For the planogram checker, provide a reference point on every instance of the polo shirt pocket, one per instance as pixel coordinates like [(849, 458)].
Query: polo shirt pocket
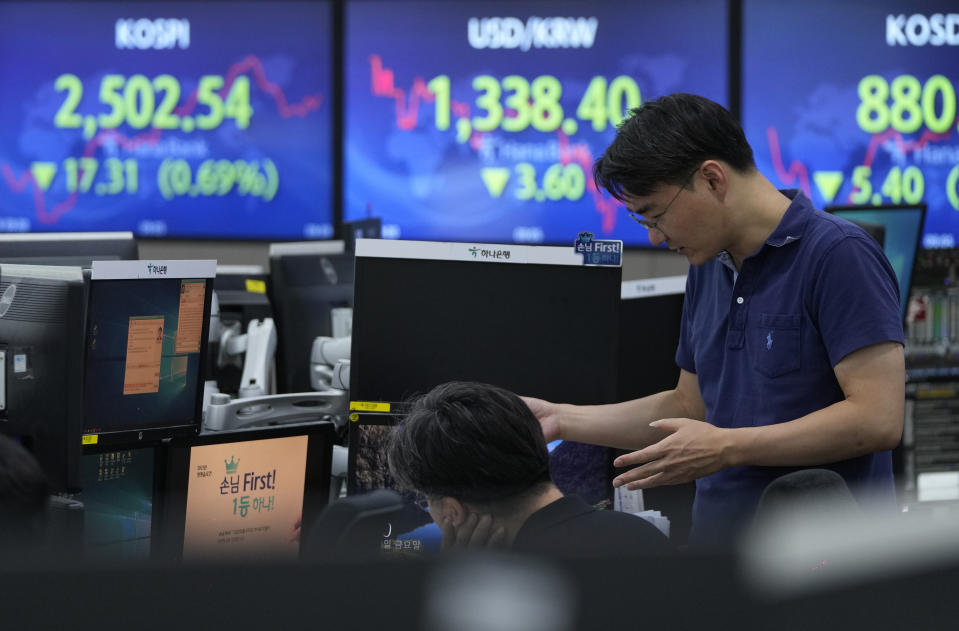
[(774, 344)]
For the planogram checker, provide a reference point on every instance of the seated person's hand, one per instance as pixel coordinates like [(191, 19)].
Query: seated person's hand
[(473, 531)]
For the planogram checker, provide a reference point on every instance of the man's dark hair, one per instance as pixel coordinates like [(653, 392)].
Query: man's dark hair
[(473, 441), (664, 141)]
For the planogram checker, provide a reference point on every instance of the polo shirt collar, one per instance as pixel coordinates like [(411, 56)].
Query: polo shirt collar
[(790, 228), (793, 223)]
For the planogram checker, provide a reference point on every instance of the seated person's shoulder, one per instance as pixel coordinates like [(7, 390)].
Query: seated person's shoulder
[(573, 527)]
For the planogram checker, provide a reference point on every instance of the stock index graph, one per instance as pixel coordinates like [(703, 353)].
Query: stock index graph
[(479, 121), (855, 103), (167, 119)]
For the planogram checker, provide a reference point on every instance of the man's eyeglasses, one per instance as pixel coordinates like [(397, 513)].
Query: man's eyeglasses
[(653, 224)]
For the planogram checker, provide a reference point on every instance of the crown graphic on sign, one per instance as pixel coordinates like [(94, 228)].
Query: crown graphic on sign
[(585, 237), (233, 465)]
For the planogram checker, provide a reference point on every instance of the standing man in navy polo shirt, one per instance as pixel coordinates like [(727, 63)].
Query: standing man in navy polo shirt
[(791, 349)]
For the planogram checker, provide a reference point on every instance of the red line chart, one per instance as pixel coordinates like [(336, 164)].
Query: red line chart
[(797, 170), (407, 104)]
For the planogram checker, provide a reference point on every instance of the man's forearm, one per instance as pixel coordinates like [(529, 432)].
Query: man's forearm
[(841, 431), (622, 425)]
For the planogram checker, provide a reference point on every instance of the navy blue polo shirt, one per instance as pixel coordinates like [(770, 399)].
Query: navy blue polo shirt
[(763, 344)]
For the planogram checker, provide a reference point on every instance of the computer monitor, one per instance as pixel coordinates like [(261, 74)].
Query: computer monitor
[(42, 318), (241, 294), (307, 281), (67, 248), (531, 319), (118, 500), (412, 530), (245, 494), (146, 342), (902, 227)]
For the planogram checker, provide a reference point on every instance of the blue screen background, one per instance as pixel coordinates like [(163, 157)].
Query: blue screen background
[(802, 64), (425, 184), (283, 47)]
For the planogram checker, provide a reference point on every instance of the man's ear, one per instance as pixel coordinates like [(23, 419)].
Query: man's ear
[(452, 510), (717, 178)]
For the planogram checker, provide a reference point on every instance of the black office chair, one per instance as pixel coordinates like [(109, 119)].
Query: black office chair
[(354, 528), (805, 491)]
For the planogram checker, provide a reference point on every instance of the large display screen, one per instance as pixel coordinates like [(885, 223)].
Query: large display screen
[(480, 121), (855, 103), (186, 119)]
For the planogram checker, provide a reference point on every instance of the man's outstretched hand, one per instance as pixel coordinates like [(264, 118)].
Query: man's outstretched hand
[(548, 416), (692, 449)]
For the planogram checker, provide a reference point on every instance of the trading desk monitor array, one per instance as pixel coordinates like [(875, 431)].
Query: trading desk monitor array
[(307, 281), (146, 337), (532, 319), (246, 494)]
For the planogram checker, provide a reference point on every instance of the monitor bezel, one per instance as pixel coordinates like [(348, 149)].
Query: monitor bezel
[(46, 248), (154, 433), (174, 481)]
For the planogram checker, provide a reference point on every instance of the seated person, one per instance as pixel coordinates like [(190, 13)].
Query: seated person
[(478, 455)]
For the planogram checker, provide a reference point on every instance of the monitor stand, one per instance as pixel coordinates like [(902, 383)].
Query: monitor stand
[(277, 409)]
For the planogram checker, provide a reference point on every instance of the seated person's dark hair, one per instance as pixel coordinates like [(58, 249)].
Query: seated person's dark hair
[(477, 442), (478, 453), (664, 140)]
